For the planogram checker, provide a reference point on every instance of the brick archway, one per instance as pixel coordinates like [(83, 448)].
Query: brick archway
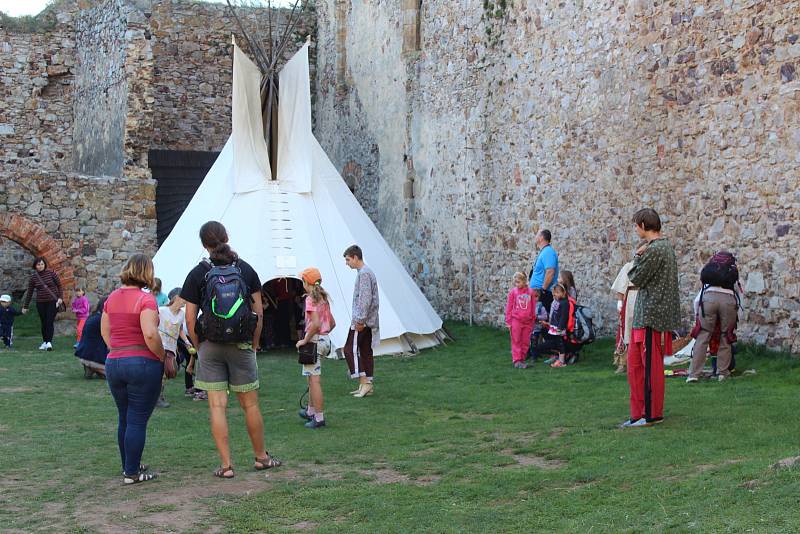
[(34, 239)]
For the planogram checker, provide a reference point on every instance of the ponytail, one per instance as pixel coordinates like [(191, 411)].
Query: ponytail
[(222, 253)]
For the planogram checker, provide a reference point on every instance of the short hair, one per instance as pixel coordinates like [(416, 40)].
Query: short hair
[(546, 235), (648, 219), (38, 259), (354, 251), (138, 271), (176, 291)]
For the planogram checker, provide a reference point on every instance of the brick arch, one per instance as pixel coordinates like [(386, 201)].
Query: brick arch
[(33, 238)]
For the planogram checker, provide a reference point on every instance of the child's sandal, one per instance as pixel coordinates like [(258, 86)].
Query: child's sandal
[(224, 472), (267, 462)]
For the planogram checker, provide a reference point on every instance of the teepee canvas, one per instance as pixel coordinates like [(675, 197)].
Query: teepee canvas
[(306, 217)]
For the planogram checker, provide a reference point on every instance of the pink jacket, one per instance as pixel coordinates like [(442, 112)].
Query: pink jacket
[(521, 305), (80, 305)]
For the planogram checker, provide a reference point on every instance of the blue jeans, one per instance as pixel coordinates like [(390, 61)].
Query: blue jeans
[(135, 384)]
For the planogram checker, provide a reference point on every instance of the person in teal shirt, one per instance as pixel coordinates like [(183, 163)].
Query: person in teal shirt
[(161, 298)]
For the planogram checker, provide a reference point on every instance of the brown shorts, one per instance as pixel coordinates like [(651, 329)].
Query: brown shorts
[(226, 366)]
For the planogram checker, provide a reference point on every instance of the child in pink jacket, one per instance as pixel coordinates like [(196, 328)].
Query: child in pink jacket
[(520, 318), (80, 307)]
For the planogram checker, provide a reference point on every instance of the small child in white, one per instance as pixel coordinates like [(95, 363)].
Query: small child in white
[(170, 326)]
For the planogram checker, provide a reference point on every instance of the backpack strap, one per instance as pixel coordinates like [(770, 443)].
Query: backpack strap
[(702, 292)]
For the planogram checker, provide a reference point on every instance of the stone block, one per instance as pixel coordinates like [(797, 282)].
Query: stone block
[(755, 283), (104, 254)]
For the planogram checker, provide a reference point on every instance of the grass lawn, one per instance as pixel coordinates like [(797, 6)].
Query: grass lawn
[(453, 440)]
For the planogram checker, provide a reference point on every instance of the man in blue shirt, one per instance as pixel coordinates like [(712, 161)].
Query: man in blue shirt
[(544, 274)]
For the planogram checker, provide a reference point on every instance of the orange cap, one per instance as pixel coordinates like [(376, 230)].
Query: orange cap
[(311, 276)]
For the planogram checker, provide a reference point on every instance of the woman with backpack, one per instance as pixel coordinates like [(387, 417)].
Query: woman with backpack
[(717, 308), (228, 291)]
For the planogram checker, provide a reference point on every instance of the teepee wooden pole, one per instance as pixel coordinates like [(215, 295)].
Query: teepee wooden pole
[(254, 48)]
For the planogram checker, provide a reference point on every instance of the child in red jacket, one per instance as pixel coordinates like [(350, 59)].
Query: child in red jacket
[(520, 318)]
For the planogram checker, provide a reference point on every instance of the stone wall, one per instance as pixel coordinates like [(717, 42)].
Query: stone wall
[(96, 226), (100, 89), (15, 267), (495, 119), (36, 86)]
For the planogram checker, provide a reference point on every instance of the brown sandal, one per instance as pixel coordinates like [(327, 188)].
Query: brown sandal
[(267, 462), (222, 472)]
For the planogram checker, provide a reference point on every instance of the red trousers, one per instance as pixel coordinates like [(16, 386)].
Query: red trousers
[(79, 329), (520, 339), (646, 372)]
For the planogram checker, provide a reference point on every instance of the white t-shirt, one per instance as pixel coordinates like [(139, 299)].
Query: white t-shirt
[(169, 326), (623, 285)]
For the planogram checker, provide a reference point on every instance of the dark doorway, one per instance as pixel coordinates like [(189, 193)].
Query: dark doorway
[(282, 299), (178, 174)]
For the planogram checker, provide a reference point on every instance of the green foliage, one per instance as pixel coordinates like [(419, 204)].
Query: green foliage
[(494, 18), (44, 21), (28, 324), (453, 440)]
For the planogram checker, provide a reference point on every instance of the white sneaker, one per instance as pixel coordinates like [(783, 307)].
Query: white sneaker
[(691, 379), (722, 378), (43, 346), (49, 346)]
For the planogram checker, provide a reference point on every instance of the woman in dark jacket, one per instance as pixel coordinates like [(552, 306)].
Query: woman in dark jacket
[(48, 298), (91, 349)]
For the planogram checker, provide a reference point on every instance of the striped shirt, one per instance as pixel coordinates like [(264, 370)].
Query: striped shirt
[(47, 286)]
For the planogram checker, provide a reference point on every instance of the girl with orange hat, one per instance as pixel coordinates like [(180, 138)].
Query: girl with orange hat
[(319, 323)]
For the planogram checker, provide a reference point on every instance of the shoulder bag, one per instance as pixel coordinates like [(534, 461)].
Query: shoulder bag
[(307, 354), (60, 308)]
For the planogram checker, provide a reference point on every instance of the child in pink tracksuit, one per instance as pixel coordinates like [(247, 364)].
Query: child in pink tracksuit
[(80, 307), (520, 318)]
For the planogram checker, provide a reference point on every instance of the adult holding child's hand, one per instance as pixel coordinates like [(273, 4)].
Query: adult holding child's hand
[(48, 299)]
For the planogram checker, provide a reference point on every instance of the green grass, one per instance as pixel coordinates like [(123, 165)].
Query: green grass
[(27, 325), (454, 440)]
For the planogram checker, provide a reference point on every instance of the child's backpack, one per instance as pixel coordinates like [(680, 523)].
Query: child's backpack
[(571, 317), (720, 271), (584, 325), (227, 312)]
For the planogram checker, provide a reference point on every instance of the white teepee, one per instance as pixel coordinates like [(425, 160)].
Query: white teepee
[(307, 217)]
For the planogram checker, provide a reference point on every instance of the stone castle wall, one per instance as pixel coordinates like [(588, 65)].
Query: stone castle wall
[(471, 125), (15, 268), (97, 225), (36, 78)]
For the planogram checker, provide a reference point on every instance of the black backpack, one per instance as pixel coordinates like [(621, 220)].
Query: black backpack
[(584, 325), (720, 271), (227, 311)]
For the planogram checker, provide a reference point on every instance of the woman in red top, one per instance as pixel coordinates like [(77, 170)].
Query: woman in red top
[(134, 366)]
